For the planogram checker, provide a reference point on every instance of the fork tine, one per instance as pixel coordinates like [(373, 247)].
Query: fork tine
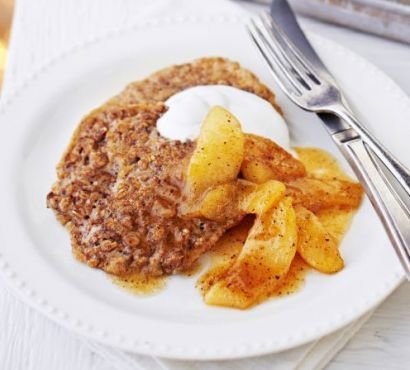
[(290, 52), (286, 59), (283, 50), (282, 76), (299, 77)]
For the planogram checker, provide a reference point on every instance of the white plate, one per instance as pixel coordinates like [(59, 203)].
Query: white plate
[(35, 254)]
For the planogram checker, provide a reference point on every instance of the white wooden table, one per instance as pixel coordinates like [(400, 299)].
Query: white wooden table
[(44, 28)]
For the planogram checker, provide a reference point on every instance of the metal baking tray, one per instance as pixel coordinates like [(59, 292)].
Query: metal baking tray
[(386, 18)]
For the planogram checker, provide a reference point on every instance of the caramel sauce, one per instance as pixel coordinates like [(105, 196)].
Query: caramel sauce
[(228, 248), (224, 253), (194, 269), (294, 279), (319, 164), (140, 284)]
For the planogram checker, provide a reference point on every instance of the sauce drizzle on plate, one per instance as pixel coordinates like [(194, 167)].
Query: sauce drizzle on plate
[(318, 163)]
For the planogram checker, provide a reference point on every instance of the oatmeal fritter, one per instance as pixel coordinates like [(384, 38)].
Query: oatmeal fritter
[(119, 182)]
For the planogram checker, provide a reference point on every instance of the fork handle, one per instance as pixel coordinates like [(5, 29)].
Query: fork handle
[(389, 205), (393, 165)]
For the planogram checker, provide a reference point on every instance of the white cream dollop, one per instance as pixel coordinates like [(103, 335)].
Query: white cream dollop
[(188, 108)]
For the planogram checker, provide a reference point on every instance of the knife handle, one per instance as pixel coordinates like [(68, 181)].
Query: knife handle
[(388, 203), (393, 165)]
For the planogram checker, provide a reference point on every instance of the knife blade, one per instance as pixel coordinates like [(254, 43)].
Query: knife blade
[(284, 17), (340, 131), (386, 189)]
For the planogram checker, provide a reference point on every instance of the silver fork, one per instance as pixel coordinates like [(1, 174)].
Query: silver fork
[(315, 90)]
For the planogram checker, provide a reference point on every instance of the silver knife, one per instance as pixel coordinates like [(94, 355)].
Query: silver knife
[(371, 162), (284, 17)]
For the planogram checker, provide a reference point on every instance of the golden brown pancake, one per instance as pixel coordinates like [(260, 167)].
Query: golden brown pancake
[(119, 182)]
